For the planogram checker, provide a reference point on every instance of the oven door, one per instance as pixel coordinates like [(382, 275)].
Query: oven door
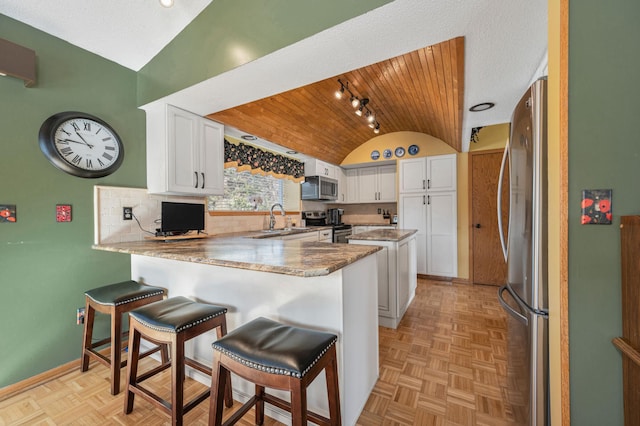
[(340, 236)]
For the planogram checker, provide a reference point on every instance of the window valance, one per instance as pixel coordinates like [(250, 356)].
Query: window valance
[(258, 161)]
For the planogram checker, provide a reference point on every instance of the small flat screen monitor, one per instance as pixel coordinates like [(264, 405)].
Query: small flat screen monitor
[(180, 218)]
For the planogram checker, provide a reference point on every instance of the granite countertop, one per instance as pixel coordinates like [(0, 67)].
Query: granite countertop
[(383, 235), (299, 258)]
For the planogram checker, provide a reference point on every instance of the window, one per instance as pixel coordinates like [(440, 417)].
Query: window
[(244, 191)]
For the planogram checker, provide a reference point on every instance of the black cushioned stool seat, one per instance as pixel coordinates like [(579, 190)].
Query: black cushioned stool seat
[(171, 322), (274, 355), (115, 300)]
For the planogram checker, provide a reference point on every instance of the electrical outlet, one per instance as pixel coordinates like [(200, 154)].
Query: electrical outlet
[(127, 213), (80, 316)]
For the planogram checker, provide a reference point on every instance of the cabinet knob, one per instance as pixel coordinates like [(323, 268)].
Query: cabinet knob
[(477, 225)]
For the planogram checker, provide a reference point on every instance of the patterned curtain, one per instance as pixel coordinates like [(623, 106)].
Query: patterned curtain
[(258, 161)]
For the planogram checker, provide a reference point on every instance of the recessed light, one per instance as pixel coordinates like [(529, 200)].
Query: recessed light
[(166, 3), (482, 107), (248, 137)]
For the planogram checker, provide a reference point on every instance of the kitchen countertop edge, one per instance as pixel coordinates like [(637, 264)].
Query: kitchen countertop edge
[(309, 258)]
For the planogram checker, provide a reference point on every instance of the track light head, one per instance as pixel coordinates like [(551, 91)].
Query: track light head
[(340, 91), (376, 129), (354, 101)]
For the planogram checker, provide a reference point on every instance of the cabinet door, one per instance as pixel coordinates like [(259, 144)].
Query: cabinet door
[(325, 236), (412, 175), (211, 158), (368, 184), (387, 183), (319, 168), (353, 187), (441, 173), (412, 214), (195, 154), (442, 234), (182, 143)]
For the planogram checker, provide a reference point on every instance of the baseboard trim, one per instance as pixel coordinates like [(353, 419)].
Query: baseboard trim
[(44, 377)]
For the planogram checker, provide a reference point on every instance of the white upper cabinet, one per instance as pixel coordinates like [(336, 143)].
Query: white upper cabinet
[(375, 184), (185, 153), (413, 175), (436, 173), (352, 185), (320, 168), (441, 173)]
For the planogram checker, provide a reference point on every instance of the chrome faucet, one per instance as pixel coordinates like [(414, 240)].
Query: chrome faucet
[(272, 219)]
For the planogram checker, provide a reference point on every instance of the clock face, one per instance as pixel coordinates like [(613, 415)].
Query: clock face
[(81, 144)]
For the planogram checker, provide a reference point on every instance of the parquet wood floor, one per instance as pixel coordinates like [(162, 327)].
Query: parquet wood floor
[(444, 365)]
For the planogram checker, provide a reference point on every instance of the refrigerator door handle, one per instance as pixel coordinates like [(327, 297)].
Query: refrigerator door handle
[(499, 203), (509, 309)]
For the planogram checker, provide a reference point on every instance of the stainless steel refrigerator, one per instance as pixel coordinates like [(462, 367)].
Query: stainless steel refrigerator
[(524, 297)]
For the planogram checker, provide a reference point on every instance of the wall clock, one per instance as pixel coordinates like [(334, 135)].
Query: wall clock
[(81, 144)]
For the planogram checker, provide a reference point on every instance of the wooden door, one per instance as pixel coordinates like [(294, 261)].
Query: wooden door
[(487, 261)]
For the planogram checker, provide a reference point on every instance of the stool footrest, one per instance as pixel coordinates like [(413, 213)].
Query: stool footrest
[(284, 405)]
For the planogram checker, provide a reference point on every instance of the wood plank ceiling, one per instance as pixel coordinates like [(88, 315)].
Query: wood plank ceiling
[(421, 91)]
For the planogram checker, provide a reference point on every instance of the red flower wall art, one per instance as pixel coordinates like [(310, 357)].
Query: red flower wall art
[(7, 213), (596, 207)]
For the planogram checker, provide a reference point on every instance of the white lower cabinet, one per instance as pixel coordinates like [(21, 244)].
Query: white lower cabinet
[(325, 236), (412, 210), (397, 278), (442, 238)]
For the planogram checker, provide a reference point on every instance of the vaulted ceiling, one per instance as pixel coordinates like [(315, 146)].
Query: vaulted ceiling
[(421, 91)]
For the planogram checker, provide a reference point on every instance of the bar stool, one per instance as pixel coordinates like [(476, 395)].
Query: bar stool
[(115, 300), (270, 354), (171, 322)]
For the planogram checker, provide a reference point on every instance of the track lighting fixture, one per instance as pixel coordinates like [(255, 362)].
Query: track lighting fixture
[(360, 105)]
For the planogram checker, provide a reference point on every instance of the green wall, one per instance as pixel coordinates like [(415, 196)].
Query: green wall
[(46, 266), (604, 152), (230, 33)]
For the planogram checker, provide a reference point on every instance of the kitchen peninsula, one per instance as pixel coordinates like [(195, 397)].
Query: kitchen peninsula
[(331, 287)]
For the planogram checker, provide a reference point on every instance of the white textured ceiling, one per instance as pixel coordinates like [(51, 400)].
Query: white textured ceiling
[(505, 46), (128, 32)]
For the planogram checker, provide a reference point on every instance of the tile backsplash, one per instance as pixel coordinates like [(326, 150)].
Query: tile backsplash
[(109, 226)]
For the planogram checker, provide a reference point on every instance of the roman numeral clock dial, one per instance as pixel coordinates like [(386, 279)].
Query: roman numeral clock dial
[(81, 144)]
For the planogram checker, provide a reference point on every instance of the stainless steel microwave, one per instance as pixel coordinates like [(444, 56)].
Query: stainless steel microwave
[(319, 188)]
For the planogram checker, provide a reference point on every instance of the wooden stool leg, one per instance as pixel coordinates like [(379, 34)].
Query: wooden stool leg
[(333, 391), (89, 316), (259, 404), (219, 378), (177, 380), (228, 392), (298, 403), (116, 349), (132, 368)]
